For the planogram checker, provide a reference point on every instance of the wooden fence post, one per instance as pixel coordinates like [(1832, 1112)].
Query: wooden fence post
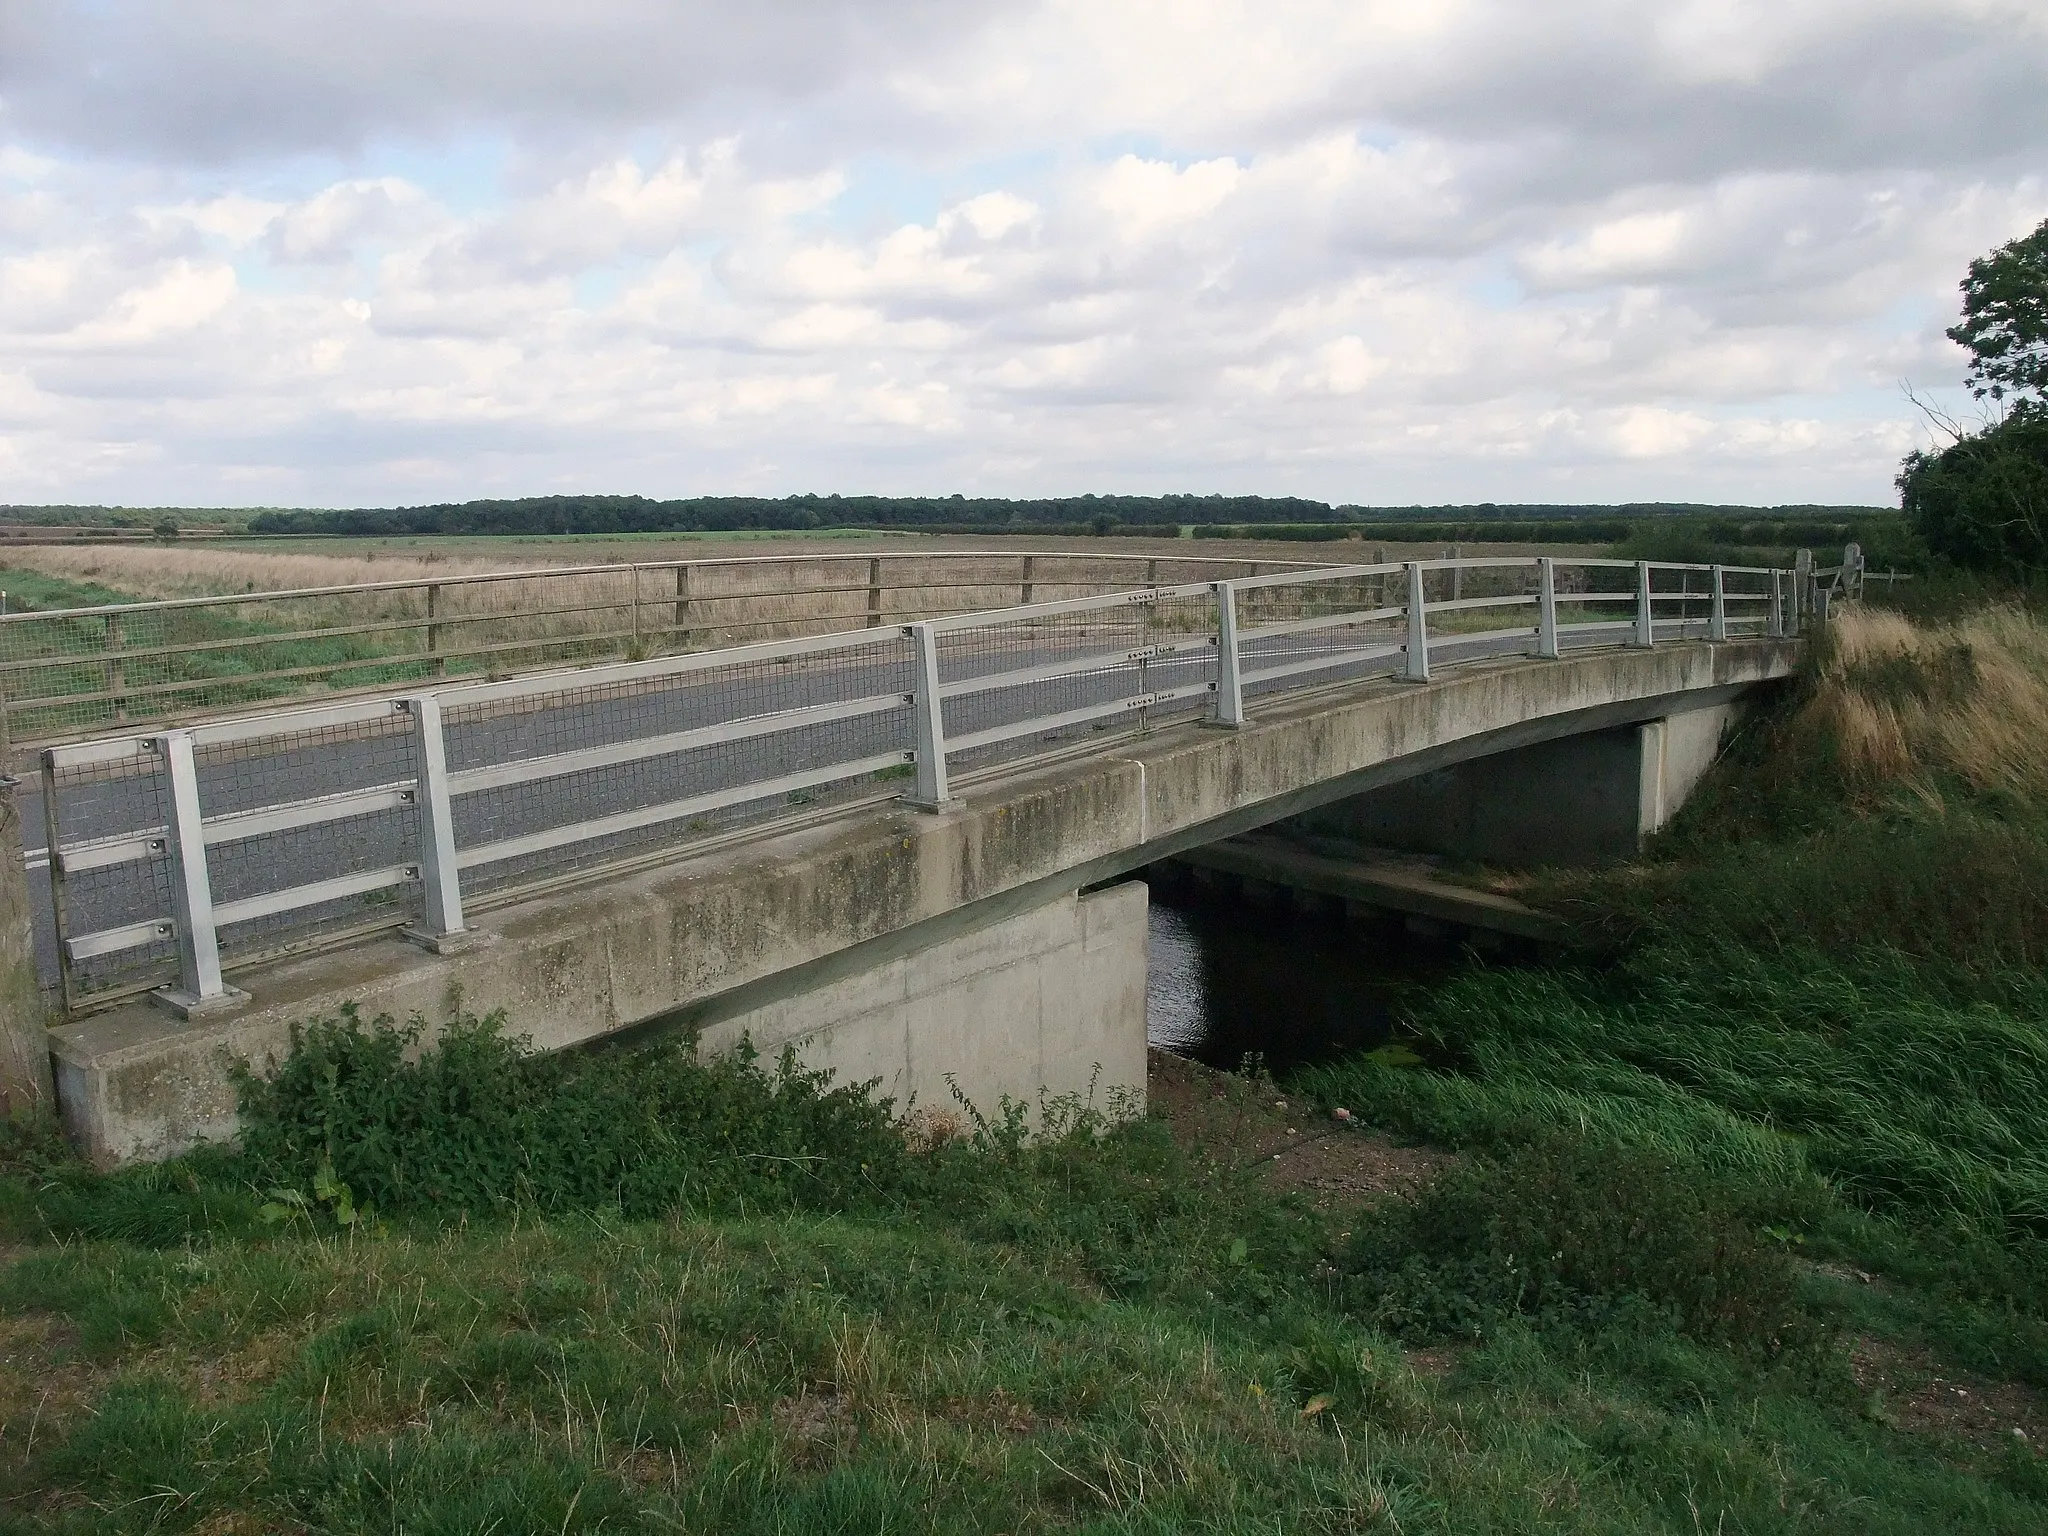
[(117, 673), (438, 666), (682, 624)]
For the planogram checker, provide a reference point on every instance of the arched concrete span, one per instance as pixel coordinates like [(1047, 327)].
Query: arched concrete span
[(922, 948)]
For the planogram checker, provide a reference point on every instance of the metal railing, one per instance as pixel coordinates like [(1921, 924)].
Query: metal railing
[(72, 672), (181, 855)]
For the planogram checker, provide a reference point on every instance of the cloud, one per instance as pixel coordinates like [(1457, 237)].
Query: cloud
[(1355, 249)]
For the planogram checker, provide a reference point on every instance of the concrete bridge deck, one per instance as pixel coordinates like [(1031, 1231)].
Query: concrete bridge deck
[(967, 945)]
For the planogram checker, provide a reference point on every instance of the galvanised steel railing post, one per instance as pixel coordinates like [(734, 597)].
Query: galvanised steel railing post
[(928, 721), (1415, 666), (60, 916), (191, 889), (1774, 623), (1717, 614), (440, 878), (1646, 629), (1229, 662), (1546, 608)]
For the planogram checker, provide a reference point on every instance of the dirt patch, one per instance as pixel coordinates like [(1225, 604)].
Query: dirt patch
[(818, 1427), (1338, 1163), (997, 1411), (1436, 1362), (1912, 1391)]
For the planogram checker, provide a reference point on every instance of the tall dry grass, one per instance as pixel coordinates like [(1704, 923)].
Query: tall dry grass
[(1905, 705), (173, 571)]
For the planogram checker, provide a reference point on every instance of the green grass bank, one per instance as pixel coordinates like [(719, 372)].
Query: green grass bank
[(1742, 1227)]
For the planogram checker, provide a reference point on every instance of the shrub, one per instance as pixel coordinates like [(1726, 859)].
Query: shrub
[(1576, 1235), (480, 1120)]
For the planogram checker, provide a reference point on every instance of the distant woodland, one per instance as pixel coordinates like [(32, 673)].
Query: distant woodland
[(1073, 514)]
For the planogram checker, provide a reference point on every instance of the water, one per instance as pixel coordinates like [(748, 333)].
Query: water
[(1231, 978)]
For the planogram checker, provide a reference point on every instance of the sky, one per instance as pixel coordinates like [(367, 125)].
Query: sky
[(387, 252)]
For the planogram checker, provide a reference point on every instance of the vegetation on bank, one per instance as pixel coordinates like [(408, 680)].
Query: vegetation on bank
[(1792, 1125)]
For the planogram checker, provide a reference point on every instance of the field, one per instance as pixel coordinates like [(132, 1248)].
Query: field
[(273, 565), (380, 613)]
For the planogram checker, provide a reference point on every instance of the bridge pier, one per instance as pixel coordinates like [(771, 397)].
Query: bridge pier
[(1044, 1004)]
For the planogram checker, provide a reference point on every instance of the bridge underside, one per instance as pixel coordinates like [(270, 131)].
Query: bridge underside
[(919, 947)]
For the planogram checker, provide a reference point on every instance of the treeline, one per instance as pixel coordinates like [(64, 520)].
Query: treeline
[(119, 517), (1092, 514), (720, 514), (1767, 532)]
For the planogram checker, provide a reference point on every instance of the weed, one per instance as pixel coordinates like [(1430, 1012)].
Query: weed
[(1580, 1235), (479, 1122)]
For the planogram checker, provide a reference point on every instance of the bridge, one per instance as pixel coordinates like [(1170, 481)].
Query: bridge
[(899, 847)]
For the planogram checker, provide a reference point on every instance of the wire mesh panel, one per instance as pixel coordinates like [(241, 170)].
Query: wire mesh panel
[(1311, 629), (1747, 599), (1681, 601), (1483, 608), (1595, 602), (557, 780), (66, 673), (114, 896), (69, 673), (311, 833), (1040, 679)]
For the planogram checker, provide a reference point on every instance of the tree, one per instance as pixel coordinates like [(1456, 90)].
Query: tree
[(1982, 501), (2005, 321)]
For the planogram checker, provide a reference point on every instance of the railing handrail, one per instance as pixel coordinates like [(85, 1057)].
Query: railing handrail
[(292, 719), (1380, 630)]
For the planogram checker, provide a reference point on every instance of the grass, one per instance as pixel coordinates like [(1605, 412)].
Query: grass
[(1103, 1331), (1823, 986), (1740, 1200)]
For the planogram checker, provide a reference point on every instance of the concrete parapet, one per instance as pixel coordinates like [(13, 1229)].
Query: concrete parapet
[(809, 909)]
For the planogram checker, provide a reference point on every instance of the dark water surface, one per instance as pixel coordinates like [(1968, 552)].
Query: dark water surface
[(1232, 978)]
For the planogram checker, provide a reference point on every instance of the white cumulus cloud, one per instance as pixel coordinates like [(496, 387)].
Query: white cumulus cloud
[(1365, 250)]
